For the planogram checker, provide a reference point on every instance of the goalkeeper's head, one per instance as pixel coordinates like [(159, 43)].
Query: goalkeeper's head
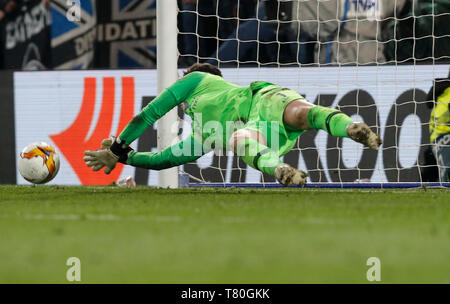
[(203, 67)]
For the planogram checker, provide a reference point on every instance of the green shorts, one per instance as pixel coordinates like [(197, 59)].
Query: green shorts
[(266, 116)]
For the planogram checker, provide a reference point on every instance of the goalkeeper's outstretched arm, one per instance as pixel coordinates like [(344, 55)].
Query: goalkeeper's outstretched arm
[(119, 151), (163, 103), (185, 151)]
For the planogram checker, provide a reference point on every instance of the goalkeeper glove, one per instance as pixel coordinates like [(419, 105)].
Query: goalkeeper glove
[(111, 153), (288, 175)]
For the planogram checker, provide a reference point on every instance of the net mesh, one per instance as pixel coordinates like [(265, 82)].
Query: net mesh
[(374, 60)]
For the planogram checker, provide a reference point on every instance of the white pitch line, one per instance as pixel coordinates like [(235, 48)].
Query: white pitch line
[(91, 217), (166, 219)]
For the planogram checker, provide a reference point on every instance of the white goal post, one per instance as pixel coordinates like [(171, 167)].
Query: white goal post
[(167, 75)]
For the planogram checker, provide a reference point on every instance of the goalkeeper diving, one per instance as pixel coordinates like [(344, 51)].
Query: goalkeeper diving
[(259, 123)]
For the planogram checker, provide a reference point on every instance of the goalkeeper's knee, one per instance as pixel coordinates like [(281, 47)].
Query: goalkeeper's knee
[(250, 147)]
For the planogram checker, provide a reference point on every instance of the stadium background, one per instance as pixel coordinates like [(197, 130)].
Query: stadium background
[(381, 104)]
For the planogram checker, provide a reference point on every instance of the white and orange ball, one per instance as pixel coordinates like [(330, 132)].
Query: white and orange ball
[(38, 163)]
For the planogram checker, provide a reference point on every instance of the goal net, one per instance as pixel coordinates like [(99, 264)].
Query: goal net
[(375, 60)]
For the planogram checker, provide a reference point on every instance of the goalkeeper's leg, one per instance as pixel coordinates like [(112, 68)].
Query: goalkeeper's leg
[(251, 147), (300, 114)]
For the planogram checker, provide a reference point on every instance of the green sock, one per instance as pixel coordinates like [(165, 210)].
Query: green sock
[(258, 156), (330, 120)]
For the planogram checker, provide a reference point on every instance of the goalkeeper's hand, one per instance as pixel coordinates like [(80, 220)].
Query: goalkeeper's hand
[(110, 154), (101, 158), (288, 175)]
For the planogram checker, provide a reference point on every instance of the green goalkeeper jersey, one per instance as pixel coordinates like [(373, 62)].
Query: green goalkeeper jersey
[(217, 108)]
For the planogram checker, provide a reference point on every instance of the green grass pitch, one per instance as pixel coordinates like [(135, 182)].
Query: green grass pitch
[(148, 235)]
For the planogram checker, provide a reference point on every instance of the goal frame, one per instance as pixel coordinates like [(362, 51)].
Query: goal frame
[(167, 73)]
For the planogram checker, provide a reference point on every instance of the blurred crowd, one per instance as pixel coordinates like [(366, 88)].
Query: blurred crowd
[(304, 32), (231, 33), (9, 7)]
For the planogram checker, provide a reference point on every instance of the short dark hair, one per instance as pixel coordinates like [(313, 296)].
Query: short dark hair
[(203, 67)]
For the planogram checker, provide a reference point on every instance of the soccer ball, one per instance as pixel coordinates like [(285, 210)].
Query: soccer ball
[(38, 163)]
